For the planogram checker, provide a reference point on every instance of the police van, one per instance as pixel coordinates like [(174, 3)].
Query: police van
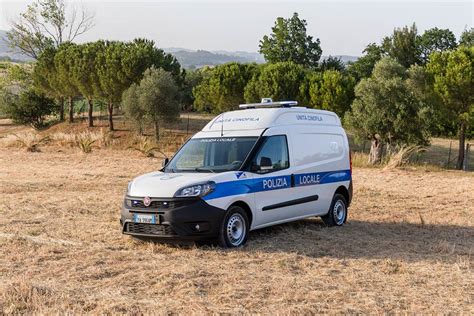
[(265, 164)]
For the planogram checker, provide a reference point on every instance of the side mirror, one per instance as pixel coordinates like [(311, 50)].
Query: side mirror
[(165, 162), (266, 163)]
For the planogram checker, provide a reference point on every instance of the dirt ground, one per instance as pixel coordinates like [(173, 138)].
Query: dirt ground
[(407, 247)]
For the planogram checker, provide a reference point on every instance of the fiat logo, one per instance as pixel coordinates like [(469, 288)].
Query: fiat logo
[(147, 201)]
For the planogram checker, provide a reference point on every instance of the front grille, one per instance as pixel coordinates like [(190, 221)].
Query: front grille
[(157, 204), (149, 229)]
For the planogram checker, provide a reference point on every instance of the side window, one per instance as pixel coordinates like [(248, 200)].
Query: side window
[(273, 155)]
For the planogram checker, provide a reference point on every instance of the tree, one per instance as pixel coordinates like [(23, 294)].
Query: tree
[(453, 81), (193, 78), (289, 42), (279, 81), (402, 46), (84, 73), (467, 37), (332, 63), (29, 108), (331, 90), (64, 62), (132, 107), (362, 68), (435, 40), (156, 97), (119, 64), (47, 23), (45, 78), (223, 88), (385, 111)]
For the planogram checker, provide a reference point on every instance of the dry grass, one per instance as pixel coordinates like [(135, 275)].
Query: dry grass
[(407, 247)]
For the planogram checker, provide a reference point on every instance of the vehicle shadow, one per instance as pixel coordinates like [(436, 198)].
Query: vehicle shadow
[(361, 239)]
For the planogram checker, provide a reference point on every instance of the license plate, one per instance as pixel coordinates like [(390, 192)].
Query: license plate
[(144, 218)]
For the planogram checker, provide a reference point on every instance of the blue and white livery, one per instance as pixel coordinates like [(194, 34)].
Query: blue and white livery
[(266, 164)]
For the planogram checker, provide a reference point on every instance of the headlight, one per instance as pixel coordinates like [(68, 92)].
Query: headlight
[(200, 189)]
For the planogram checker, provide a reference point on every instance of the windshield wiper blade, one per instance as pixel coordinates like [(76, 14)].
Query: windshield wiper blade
[(204, 169)]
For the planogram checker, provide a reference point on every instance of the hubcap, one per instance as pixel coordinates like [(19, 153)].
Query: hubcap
[(236, 229), (339, 212)]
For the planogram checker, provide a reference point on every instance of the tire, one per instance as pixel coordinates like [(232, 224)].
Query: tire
[(234, 229), (337, 214)]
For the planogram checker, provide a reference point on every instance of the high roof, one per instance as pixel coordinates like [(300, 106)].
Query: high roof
[(260, 118)]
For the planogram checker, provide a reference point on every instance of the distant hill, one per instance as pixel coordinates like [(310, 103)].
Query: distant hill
[(6, 52), (188, 58), (200, 58)]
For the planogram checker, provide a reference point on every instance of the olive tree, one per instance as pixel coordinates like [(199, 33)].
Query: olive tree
[(155, 97), (386, 111)]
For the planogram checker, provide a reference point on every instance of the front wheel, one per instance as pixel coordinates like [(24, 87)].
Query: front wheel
[(337, 214), (234, 229)]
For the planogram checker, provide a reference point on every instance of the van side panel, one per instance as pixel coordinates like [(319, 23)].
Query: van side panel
[(320, 162)]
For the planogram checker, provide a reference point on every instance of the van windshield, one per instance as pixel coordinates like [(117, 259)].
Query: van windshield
[(211, 154)]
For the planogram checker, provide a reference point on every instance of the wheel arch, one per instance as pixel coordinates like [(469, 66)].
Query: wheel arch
[(345, 193), (246, 208)]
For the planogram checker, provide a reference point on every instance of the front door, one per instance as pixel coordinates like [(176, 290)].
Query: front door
[(272, 180)]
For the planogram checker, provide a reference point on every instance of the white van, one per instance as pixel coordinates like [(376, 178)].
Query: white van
[(266, 164)]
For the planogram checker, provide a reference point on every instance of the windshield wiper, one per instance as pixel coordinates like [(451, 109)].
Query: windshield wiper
[(204, 169)]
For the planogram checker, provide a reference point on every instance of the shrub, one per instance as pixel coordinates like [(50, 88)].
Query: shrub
[(28, 108)]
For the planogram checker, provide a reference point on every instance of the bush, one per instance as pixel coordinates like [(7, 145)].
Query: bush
[(28, 108)]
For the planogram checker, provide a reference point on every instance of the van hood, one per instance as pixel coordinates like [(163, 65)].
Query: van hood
[(164, 185)]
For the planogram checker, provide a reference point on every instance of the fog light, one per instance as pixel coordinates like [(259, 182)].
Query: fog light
[(197, 227)]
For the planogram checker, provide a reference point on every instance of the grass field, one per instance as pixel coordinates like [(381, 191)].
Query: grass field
[(407, 247)]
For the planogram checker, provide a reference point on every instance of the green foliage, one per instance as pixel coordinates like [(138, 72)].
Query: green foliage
[(435, 40), (133, 109), (385, 108), (403, 46), (156, 97), (467, 37), (331, 90), (453, 80), (362, 68), (29, 108), (279, 81), (289, 42), (192, 79), (332, 63), (222, 88), (64, 62), (45, 74)]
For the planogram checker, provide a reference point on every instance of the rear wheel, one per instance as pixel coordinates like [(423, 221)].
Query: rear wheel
[(337, 214), (234, 229)]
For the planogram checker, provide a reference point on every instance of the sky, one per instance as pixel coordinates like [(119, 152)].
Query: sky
[(344, 27)]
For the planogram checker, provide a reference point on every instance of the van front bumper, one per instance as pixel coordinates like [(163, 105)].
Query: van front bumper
[(176, 218)]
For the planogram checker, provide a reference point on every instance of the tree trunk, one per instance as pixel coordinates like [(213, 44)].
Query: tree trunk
[(110, 108), (376, 148), (61, 109), (71, 110), (157, 130), (462, 139), (91, 108)]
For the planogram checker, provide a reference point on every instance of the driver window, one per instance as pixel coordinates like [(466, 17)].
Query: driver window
[(273, 155)]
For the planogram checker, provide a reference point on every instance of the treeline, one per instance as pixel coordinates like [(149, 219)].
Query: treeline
[(400, 92), (101, 70)]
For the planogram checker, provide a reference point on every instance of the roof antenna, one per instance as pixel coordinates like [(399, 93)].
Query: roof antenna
[(222, 125)]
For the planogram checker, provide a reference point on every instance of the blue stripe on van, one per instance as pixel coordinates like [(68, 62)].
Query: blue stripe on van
[(276, 183)]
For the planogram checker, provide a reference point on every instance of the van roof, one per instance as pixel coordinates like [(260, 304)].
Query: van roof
[(261, 118)]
